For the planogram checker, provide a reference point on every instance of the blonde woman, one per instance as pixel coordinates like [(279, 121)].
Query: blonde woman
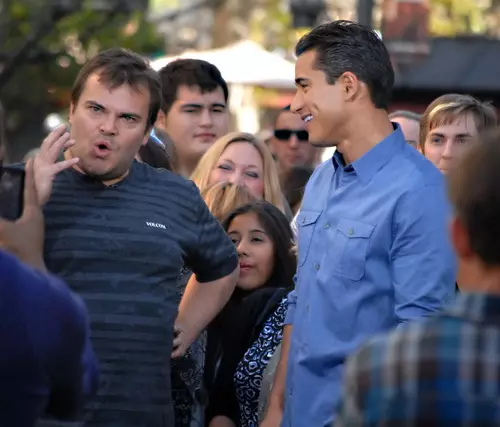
[(241, 158)]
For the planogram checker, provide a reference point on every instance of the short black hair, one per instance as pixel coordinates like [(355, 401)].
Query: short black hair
[(277, 227), (294, 183), (189, 72), (473, 191), (155, 155), (343, 46)]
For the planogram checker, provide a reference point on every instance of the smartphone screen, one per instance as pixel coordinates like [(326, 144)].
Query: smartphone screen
[(11, 192)]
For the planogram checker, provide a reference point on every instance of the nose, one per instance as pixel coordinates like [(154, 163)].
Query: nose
[(448, 149), (108, 126), (293, 142), (206, 118), (236, 178), (242, 248), (297, 102)]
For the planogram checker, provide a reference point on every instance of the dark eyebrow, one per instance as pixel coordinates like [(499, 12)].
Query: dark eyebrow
[(301, 81), (102, 107), (258, 230), (95, 104), (200, 106), (460, 135)]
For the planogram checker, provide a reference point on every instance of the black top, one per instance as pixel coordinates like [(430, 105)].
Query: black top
[(230, 336), (122, 248)]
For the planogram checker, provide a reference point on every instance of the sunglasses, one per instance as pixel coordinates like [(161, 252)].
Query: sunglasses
[(285, 134)]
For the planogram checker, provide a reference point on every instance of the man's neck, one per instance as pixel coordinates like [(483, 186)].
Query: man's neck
[(107, 182), (186, 167), (479, 278), (362, 133)]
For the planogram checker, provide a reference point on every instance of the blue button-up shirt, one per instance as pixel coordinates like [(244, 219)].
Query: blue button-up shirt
[(373, 253)]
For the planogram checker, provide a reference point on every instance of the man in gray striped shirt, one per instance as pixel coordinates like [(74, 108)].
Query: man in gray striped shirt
[(119, 232)]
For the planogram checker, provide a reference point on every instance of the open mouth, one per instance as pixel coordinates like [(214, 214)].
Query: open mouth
[(102, 149)]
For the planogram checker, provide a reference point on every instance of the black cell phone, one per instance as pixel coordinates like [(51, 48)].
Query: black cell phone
[(11, 192)]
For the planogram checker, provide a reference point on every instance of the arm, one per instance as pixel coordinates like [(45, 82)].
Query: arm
[(277, 396), (221, 421), (422, 260), (199, 305), (214, 262)]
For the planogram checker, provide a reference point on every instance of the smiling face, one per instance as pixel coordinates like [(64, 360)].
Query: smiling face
[(320, 104), (241, 164), (255, 250), (108, 126)]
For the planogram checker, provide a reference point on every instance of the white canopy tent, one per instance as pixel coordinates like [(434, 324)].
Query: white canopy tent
[(244, 63)]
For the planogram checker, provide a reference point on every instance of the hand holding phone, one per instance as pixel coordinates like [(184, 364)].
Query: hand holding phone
[(11, 192), (24, 237)]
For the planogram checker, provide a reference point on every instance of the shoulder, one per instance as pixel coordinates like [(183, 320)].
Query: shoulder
[(181, 191), (153, 176), (33, 295), (416, 171), (410, 343)]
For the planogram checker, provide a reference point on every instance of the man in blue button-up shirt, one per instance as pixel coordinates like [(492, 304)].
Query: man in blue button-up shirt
[(372, 231)]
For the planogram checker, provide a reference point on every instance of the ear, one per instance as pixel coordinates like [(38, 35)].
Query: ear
[(71, 112), (145, 139), (160, 120), (460, 239), (350, 85)]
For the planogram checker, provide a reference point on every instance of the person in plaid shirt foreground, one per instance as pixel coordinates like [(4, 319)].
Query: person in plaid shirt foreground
[(444, 371)]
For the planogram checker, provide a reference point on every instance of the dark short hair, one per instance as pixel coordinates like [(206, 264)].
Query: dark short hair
[(343, 46), (117, 67), (473, 191), (293, 183), (191, 73), (277, 227), (405, 114), (449, 107), (155, 155)]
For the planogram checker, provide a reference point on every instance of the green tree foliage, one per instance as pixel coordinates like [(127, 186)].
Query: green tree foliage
[(452, 17), (42, 80)]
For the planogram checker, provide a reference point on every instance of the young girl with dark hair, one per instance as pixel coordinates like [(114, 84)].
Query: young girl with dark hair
[(249, 329)]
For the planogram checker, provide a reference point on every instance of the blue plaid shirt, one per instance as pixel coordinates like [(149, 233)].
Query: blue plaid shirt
[(441, 372)]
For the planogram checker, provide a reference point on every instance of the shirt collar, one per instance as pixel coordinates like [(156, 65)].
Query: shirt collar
[(476, 307), (372, 161)]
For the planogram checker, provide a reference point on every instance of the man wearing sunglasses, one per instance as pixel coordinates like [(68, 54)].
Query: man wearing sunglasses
[(289, 143)]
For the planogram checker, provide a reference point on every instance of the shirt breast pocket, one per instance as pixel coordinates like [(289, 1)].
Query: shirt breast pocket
[(306, 222), (349, 248)]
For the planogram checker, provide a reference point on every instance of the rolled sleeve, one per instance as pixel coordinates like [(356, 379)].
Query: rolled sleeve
[(292, 304), (423, 262), (214, 256)]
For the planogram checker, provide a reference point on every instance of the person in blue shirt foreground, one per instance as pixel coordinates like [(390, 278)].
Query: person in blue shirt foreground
[(47, 364)]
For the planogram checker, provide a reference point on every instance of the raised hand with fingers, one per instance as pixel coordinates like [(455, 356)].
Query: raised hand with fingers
[(46, 164)]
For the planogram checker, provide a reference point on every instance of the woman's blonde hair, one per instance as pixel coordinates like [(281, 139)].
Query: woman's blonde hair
[(272, 189), (224, 197)]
